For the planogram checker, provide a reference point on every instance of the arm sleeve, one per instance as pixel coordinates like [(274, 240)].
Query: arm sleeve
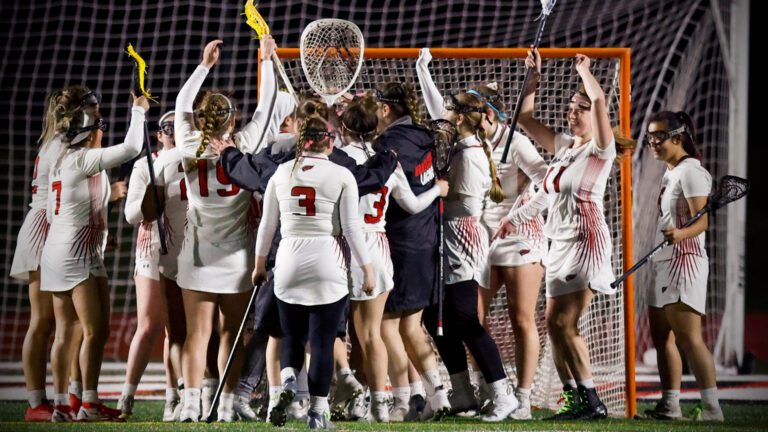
[(429, 91), (245, 170), (405, 197), (249, 136), (369, 177), (137, 187), (187, 136), (525, 156), (519, 214), (100, 159), (270, 217), (350, 221), (696, 182)]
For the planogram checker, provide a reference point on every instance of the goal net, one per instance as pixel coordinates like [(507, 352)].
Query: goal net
[(455, 70)]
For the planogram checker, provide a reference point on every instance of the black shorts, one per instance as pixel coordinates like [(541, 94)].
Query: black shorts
[(267, 318), (415, 277)]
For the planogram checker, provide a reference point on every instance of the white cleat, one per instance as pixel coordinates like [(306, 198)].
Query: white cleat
[(438, 406), (504, 404), (243, 408)]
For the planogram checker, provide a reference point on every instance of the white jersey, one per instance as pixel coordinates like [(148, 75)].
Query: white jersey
[(469, 178), (373, 206), (77, 205), (147, 237), (218, 211), (687, 180), (575, 187), (314, 202), (524, 167), (34, 230), (169, 176)]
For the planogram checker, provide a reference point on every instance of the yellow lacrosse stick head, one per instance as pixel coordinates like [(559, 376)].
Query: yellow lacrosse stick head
[(141, 65), (254, 19)]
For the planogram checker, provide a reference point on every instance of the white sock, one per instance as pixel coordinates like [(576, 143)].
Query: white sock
[(346, 375), (76, 388), (35, 397), (401, 395), (210, 383), (302, 385), (417, 388), (380, 397), (523, 394), (61, 399), (226, 402), (171, 394), (318, 404), (570, 382), (587, 383), (274, 391), (709, 399), (129, 389), (90, 396), (477, 377), (192, 398), (287, 373), (500, 387), (431, 379), (460, 382), (671, 396)]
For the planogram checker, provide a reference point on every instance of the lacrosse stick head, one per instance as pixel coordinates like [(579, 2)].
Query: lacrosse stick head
[(331, 57), (445, 134), (254, 20), (729, 189)]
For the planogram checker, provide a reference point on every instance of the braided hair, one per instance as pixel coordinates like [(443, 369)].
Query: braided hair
[(315, 135), (360, 119), (62, 107), (473, 110), (401, 99), (213, 117)]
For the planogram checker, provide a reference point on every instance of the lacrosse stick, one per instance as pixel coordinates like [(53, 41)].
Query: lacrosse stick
[(445, 143), (547, 6), (729, 189), (141, 68), (257, 23), (223, 378), (332, 54)]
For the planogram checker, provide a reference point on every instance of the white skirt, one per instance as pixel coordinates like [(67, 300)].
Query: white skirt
[(168, 264), (217, 268), (312, 271), (64, 265), (573, 266), (378, 247), (512, 251), (147, 268), (466, 250), (29, 244), (682, 279)]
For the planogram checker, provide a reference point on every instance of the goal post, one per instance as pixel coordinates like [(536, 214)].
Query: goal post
[(607, 326)]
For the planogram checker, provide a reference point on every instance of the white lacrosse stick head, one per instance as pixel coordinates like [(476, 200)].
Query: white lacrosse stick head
[(332, 54)]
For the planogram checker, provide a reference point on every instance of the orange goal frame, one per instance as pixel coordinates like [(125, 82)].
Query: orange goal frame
[(623, 55)]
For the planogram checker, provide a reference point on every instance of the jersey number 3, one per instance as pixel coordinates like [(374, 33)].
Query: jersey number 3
[(379, 206), (308, 198)]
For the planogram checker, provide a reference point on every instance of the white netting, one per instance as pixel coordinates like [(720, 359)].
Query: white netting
[(331, 55), (603, 325), (679, 61)]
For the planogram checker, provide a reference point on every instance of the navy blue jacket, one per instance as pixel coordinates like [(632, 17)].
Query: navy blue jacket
[(414, 146)]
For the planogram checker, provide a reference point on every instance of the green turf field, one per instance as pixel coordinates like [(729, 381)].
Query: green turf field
[(738, 418)]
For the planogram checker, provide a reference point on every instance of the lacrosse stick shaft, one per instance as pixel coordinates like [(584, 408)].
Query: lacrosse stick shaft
[(521, 94), (228, 366), (441, 282), (155, 196), (284, 76)]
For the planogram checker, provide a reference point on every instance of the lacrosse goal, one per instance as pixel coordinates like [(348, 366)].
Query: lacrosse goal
[(604, 326)]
